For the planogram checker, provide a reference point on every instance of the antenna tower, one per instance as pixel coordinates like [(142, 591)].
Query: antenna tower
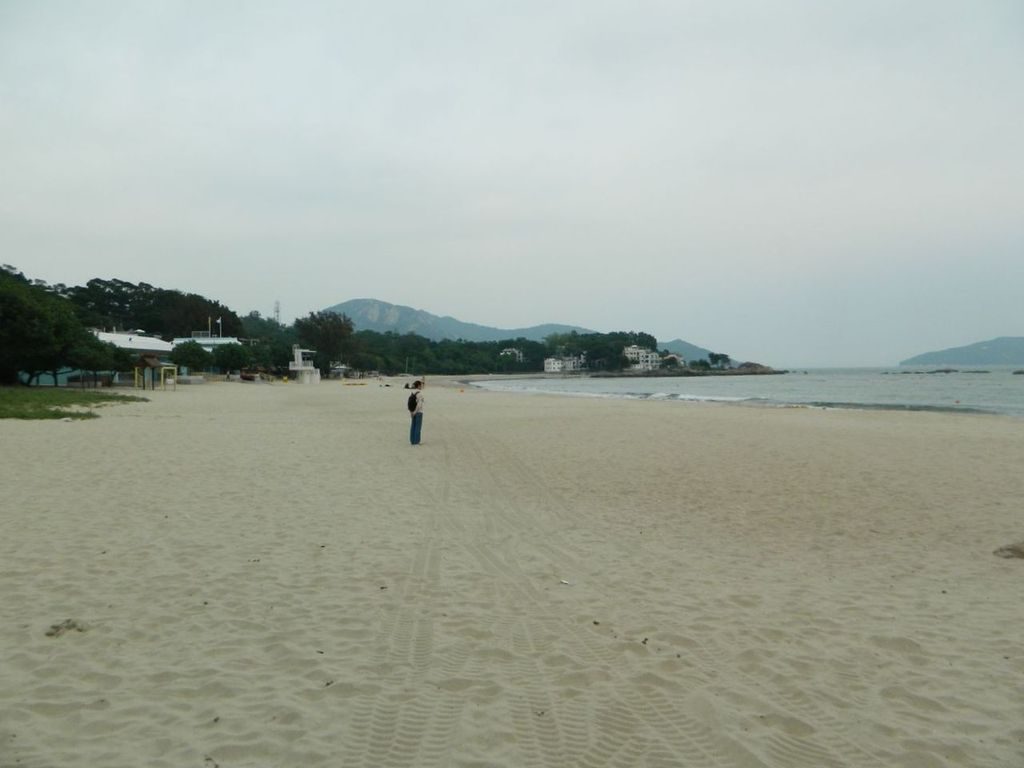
[(277, 312)]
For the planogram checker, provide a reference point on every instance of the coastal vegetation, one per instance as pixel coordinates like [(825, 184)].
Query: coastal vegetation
[(53, 403), (44, 329), (191, 355), (41, 331)]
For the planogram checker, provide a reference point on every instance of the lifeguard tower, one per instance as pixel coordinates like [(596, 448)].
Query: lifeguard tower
[(302, 365)]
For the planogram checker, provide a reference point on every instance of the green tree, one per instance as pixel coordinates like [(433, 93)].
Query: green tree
[(231, 357), (262, 357), (67, 336), (21, 323), (328, 334), (534, 353), (191, 355), (168, 313), (38, 329), (178, 314), (603, 351), (106, 303), (272, 347), (93, 356)]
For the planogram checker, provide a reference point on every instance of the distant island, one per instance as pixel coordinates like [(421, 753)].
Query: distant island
[(1005, 350)]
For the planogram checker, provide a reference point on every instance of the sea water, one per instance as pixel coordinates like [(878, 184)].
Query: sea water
[(995, 390)]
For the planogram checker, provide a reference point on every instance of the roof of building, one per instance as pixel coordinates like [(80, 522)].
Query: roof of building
[(149, 361), (134, 342), (208, 342)]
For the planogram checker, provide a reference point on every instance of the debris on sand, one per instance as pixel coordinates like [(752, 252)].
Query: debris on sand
[(68, 625), (1011, 550)]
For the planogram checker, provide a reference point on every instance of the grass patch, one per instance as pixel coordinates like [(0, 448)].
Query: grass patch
[(56, 403)]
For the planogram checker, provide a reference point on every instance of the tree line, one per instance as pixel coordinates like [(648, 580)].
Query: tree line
[(40, 332), (44, 329)]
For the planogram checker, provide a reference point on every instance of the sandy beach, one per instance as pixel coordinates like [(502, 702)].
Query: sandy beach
[(270, 575)]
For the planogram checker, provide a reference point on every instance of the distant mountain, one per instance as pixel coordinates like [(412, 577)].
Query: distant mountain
[(1006, 350), (380, 316), (374, 315)]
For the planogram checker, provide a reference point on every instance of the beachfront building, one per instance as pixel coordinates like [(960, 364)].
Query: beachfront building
[(152, 357), (302, 367), (206, 341), (564, 364), (136, 342), (641, 359), (514, 353)]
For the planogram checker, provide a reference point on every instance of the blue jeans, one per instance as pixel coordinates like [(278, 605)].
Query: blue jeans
[(414, 430)]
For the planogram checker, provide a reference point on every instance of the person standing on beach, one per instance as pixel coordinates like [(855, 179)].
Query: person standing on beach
[(416, 413)]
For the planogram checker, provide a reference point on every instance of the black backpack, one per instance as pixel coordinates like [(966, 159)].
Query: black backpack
[(412, 403)]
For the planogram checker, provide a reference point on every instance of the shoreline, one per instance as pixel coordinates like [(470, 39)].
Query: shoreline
[(492, 383)]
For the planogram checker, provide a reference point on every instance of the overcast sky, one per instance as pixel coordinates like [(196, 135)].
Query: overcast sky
[(796, 182)]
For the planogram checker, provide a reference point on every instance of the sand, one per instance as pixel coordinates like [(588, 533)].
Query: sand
[(243, 574)]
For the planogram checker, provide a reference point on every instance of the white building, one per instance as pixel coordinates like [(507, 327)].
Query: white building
[(207, 342), (514, 353), (302, 366), (136, 342), (642, 359), (564, 364)]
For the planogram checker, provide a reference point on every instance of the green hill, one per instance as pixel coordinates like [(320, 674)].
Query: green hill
[(1006, 350), (380, 316), (685, 349)]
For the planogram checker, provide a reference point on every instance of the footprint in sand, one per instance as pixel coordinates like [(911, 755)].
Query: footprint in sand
[(68, 625), (1011, 550)]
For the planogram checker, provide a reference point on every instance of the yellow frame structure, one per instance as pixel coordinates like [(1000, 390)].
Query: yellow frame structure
[(140, 376)]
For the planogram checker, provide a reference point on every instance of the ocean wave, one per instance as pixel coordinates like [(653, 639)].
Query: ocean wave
[(849, 390), (916, 407)]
